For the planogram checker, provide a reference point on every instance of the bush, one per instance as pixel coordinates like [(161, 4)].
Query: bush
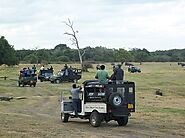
[(86, 66)]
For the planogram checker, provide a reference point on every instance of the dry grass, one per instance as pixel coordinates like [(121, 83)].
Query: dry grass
[(39, 115)]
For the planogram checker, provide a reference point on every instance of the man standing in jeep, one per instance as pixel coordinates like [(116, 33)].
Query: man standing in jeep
[(102, 75), (75, 97), (118, 74)]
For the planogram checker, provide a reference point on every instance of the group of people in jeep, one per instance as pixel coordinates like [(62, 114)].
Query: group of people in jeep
[(103, 76), (28, 72), (65, 71)]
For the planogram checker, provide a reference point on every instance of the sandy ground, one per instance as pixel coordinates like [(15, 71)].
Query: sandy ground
[(43, 120), (38, 116)]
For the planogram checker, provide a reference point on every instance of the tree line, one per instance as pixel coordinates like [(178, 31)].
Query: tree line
[(63, 53)]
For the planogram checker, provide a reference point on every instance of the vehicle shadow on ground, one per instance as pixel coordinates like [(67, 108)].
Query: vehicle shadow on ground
[(76, 121)]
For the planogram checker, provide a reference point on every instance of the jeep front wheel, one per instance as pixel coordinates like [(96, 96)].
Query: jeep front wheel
[(75, 80), (122, 121), (19, 84), (95, 119), (64, 117)]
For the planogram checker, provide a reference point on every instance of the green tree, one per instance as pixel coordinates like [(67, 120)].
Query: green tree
[(7, 53), (123, 55), (32, 58), (140, 55)]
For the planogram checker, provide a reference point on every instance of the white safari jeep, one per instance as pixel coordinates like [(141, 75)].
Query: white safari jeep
[(102, 103)]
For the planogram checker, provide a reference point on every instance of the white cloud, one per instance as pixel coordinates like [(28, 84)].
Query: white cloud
[(149, 24)]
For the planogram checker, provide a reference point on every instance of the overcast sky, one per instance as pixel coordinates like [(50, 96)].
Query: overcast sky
[(150, 24)]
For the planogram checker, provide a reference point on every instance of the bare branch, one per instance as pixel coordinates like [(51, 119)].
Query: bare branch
[(69, 34), (69, 21), (73, 39), (73, 43), (66, 23), (83, 53)]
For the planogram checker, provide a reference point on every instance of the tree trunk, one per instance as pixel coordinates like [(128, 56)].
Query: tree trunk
[(80, 57)]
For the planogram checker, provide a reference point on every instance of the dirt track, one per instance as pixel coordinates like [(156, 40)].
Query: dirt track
[(43, 120)]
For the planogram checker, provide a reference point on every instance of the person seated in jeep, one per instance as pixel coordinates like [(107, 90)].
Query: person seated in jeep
[(65, 70), (75, 97), (102, 75), (51, 68), (34, 68)]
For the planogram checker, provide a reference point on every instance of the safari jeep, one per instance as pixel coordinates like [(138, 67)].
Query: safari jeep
[(102, 103), (73, 76), (44, 75)]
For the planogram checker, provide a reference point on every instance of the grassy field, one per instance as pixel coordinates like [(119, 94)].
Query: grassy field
[(39, 114)]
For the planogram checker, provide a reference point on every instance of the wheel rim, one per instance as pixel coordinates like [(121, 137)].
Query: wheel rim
[(93, 120), (117, 100), (62, 116), (57, 81)]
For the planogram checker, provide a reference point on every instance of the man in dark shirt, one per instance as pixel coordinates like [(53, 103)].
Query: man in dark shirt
[(118, 74)]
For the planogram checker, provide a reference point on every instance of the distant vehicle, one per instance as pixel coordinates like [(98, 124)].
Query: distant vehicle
[(67, 75), (30, 80), (44, 75), (100, 103), (128, 64), (182, 64), (133, 69)]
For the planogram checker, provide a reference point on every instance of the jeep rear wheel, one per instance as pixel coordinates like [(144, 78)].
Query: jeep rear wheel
[(95, 119), (122, 121), (34, 84), (64, 117)]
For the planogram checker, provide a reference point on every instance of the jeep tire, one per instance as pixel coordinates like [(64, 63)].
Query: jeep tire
[(122, 121), (34, 84), (64, 117), (19, 84), (57, 81), (116, 99), (75, 80), (95, 119)]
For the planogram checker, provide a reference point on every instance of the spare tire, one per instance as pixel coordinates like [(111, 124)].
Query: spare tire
[(116, 99)]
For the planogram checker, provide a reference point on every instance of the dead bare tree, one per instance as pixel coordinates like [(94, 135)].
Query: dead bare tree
[(74, 39)]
